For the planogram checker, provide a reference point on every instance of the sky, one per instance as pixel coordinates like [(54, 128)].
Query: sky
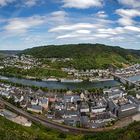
[(29, 23)]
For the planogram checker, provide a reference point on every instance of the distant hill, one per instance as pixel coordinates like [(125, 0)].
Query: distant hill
[(136, 52), (88, 55), (9, 52)]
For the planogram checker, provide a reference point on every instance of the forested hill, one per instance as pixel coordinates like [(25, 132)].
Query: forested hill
[(78, 50), (88, 55)]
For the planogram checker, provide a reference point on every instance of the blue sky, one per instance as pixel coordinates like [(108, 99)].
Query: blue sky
[(29, 23)]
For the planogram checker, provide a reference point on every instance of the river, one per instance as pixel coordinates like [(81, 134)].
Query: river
[(59, 85)]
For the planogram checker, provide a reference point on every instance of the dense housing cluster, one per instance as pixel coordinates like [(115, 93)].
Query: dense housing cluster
[(88, 110)]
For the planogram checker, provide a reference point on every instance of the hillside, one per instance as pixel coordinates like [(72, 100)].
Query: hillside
[(86, 56), (12, 131)]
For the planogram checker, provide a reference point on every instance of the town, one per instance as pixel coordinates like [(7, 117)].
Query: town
[(81, 109), (86, 110), (27, 65)]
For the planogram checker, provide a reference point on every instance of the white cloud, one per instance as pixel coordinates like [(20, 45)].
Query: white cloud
[(131, 3), (118, 38), (21, 25), (82, 4), (101, 14), (58, 16), (113, 31), (126, 21), (132, 28), (31, 3), (75, 34), (84, 36), (83, 31), (77, 26), (128, 12), (127, 16), (21, 3), (5, 2), (102, 35), (68, 36)]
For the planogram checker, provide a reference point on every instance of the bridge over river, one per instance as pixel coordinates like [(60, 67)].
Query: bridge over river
[(125, 80)]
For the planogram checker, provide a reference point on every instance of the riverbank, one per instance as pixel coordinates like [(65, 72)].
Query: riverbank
[(63, 80)]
